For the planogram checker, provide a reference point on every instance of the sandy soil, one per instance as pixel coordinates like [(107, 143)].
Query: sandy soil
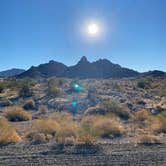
[(96, 155)]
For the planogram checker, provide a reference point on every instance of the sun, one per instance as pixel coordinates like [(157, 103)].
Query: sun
[(93, 29)]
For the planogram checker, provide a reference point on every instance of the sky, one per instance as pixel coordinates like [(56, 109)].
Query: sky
[(132, 32)]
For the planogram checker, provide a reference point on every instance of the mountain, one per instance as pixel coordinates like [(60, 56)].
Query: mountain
[(50, 69), (11, 73), (154, 73), (102, 68)]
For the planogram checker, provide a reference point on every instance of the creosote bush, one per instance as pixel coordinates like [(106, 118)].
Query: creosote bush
[(29, 105), (115, 108), (17, 114), (25, 91), (7, 133)]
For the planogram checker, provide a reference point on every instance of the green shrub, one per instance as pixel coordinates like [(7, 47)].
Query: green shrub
[(25, 91), (2, 87), (54, 91), (116, 108), (29, 105), (144, 83)]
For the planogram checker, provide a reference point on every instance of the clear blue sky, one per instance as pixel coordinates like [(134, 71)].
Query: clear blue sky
[(36, 31)]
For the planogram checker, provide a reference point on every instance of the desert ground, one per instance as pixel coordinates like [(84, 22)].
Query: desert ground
[(60, 121)]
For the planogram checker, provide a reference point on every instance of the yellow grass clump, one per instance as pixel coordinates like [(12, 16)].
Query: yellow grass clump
[(7, 133), (17, 114)]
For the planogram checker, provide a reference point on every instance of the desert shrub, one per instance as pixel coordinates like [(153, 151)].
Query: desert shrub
[(42, 130), (115, 86), (94, 127), (17, 114), (61, 117), (141, 116), (25, 91), (144, 83), (116, 108), (158, 123), (55, 82), (96, 110), (107, 127), (68, 128), (7, 133), (53, 89), (66, 132), (163, 88), (92, 95), (2, 87), (43, 109), (86, 134), (29, 105), (148, 139)]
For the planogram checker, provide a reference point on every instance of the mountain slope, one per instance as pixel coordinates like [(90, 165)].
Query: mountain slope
[(102, 68), (11, 72), (50, 69)]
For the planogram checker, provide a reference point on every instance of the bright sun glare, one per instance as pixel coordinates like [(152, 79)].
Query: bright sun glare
[(93, 29)]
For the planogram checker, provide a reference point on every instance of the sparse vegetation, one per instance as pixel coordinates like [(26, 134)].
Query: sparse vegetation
[(16, 114)]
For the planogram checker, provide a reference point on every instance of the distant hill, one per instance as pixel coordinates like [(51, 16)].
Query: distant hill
[(11, 73), (101, 68), (50, 69), (155, 73)]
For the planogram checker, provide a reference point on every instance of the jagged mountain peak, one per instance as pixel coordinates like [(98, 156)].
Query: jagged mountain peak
[(101, 68), (83, 60)]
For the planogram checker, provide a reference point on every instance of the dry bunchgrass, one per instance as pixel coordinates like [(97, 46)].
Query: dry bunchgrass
[(61, 117), (59, 126), (45, 126), (147, 139), (68, 127), (107, 127), (157, 124), (141, 116), (17, 114), (42, 130), (100, 126), (68, 130), (7, 133)]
